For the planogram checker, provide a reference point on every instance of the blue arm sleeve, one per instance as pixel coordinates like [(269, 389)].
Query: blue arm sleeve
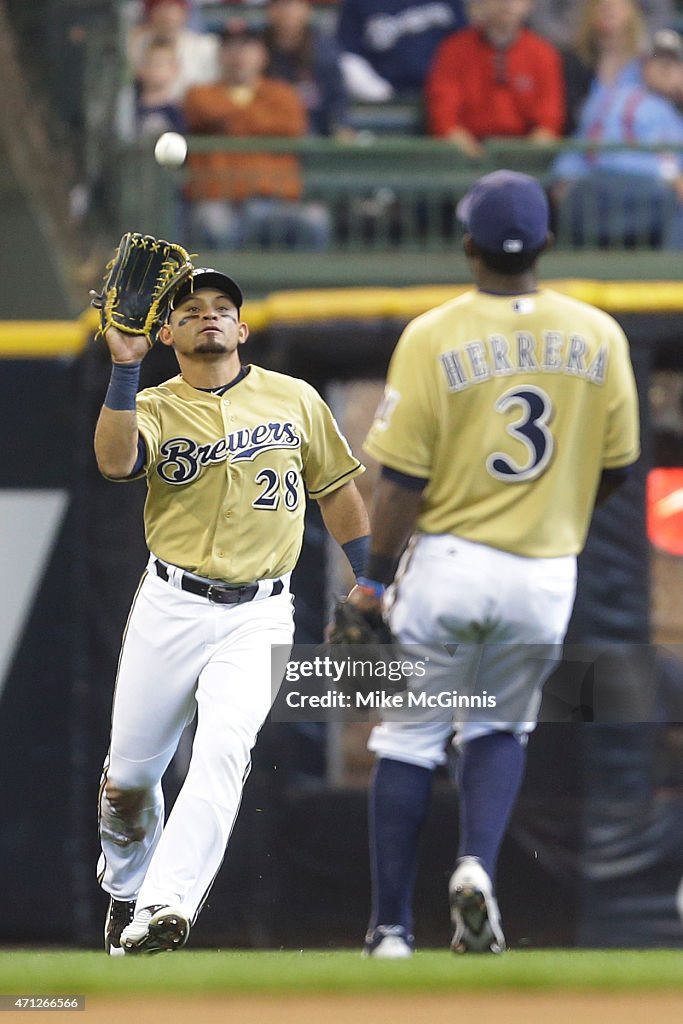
[(617, 475), (142, 456), (412, 483)]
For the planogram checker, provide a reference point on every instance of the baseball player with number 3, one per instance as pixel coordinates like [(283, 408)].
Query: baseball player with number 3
[(509, 412), (230, 453)]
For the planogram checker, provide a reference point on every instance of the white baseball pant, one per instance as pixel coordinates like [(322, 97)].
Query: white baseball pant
[(508, 616), (181, 655)]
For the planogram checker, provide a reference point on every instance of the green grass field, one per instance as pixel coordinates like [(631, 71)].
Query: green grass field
[(234, 972)]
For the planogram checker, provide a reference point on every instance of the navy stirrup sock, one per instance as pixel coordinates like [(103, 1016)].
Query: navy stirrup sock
[(489, 772), (398, 804)]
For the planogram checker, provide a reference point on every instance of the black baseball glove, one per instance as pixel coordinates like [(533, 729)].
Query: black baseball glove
[(139, 284), (364, 640), (350, 625)]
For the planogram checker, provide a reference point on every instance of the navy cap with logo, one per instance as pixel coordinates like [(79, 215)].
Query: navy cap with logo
[(506, 212), (206, 277)]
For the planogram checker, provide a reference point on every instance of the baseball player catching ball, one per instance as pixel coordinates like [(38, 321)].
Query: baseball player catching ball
[(230, 453), (509, 412)]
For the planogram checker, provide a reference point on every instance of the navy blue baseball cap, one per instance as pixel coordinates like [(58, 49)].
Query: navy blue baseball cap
[(506, 212), (206, 277)]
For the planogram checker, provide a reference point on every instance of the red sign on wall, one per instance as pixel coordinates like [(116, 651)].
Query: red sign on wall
[(665, 509)]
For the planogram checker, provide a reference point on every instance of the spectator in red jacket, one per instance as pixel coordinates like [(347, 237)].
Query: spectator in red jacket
[(496, 78)]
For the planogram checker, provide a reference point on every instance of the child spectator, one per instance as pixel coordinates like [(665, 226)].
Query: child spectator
[(168, 20), (241, 198), (387, 45), (299, 53), (496, 78), (665, 75), (156, 110)]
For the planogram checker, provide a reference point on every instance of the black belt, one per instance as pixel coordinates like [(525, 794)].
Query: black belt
[(219, 593)]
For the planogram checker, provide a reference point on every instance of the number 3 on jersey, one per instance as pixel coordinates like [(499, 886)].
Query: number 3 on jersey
[(531, 428)]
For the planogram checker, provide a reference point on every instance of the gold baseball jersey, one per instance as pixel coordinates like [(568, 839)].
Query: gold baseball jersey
[(510, 407), (227, 475)]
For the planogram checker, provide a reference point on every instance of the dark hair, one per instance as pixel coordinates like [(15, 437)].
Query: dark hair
[(510, 263)]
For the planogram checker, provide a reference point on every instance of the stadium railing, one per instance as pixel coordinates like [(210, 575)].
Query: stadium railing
[(392, 203)]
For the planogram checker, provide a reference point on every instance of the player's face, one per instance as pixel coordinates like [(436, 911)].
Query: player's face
[(205, 323)]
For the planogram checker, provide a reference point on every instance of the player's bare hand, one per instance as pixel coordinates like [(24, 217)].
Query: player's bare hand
[(126, 348)]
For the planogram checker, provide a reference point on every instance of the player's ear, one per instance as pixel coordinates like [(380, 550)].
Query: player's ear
[(242, 332), (470, 247), (165, 335)]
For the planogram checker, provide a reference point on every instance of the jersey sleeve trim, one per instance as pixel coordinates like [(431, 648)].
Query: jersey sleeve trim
[(124, 479), (334, 484), (141, 461), (407, 480), (617, 474)]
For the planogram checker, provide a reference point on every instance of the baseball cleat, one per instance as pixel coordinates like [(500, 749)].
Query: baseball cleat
[(156, 930), (474, 910), (120, 913), (389, 942)]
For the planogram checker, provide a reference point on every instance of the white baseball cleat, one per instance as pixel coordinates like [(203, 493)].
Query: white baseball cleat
[(388, 942), (156, 930), (474, 910)]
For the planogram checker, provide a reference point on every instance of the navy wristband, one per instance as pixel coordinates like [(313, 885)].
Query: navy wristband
[(123, 387), (357, 552)]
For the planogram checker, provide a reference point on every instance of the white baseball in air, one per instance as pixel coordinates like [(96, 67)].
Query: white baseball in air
[(170, 149)]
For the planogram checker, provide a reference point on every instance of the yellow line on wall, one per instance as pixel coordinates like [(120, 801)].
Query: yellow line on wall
[(350, 303), (45, 339), (41, 339)]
